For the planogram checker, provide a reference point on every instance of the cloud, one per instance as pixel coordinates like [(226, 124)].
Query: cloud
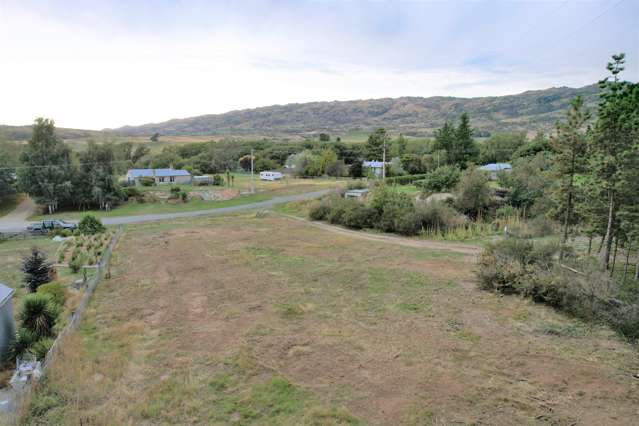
[(109, 63)]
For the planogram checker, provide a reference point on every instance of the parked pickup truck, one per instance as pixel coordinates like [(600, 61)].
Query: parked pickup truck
[(47, 225)]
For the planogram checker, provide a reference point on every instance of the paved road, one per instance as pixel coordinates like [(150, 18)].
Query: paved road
[(18, 226)]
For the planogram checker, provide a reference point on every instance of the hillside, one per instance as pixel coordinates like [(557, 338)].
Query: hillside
[(531, 111)]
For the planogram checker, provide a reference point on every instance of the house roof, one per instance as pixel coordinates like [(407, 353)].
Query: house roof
[(5, 293), (137, 173), (373, 164), (495, 167)]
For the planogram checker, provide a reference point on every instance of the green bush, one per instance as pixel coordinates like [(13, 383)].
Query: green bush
[(319, 210), (56, 291), (39, 314), (41, 347), (442, 179), (218, 180), (359, 216), (90, 225), (439, 215), (184, 196), (146, 181), (131, 192), (23, 341), (175, 190)]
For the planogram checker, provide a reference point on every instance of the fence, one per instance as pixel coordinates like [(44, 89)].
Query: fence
[(102, 270)]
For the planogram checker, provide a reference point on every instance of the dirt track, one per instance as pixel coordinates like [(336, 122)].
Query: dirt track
[(400, 241)]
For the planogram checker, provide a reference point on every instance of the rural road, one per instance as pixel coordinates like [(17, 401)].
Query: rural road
[(18, 223)]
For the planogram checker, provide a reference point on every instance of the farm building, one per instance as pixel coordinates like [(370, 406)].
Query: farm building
[(268, 175), (494, 168), (161, 176), (7, 327), (374, 166)]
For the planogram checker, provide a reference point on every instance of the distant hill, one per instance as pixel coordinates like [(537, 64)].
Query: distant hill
[(414, 116), (528, 111)]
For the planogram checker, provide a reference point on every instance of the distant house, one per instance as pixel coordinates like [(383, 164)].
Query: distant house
[(374, 166), (7, 327), (161, 176), (494, 168), (268, 175)]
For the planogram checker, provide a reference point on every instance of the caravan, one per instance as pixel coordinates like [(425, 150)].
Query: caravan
[(268, 175)]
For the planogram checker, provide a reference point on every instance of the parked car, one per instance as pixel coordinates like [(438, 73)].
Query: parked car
[(49, 225)]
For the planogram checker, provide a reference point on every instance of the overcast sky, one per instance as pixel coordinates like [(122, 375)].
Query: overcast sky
[(106, 63)]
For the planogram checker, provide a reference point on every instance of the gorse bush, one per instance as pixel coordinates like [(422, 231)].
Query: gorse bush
[(90, 225)]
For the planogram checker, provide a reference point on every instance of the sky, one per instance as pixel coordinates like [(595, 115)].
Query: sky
[(108, 63)]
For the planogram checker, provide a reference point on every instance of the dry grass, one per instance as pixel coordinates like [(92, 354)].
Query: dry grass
[(264, 320)]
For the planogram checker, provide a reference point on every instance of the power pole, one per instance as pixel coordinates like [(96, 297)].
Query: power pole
[(384, 161), (252, 184)]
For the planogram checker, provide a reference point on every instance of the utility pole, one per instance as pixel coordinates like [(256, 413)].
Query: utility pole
[(252, 184), (384, 161)]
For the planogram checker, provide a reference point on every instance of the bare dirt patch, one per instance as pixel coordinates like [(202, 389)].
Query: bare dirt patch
[(204, 321)]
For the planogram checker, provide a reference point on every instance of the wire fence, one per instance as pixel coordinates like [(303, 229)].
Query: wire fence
[(102, 270)]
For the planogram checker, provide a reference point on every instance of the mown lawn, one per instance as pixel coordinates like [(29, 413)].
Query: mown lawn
[(137, 208), (259, 319)]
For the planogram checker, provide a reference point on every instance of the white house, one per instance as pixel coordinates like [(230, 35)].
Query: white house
[(161, 176), (7, 326), (494, 168), (268, 175)]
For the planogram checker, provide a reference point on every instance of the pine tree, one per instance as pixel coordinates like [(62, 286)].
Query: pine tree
[(614, 148), (570, 146), (375, 144), (464, 149), (37, 270), (445, 138)]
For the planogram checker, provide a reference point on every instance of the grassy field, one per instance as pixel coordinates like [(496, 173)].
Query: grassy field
[(264, 191), (225, 320)]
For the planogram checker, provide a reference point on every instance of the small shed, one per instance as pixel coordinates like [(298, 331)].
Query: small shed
[(358, 194), (7, 325), (202, 180)]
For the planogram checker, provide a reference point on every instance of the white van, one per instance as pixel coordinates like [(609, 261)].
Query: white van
[(267, 175)]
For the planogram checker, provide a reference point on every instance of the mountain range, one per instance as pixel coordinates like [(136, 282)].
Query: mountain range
[(413, 116)]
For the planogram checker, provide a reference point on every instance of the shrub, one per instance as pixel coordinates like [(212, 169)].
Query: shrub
[(23, 341), (184, 196), (473, 194), (175, 190), (218, 180), (132, 192), (39, 314), (442, 179), (359, 216), (76, 263), (41, 347), (56, 291), (337, 210), (146, 181), (319, 210), (90, 225), (37, 270), (439, 215)]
